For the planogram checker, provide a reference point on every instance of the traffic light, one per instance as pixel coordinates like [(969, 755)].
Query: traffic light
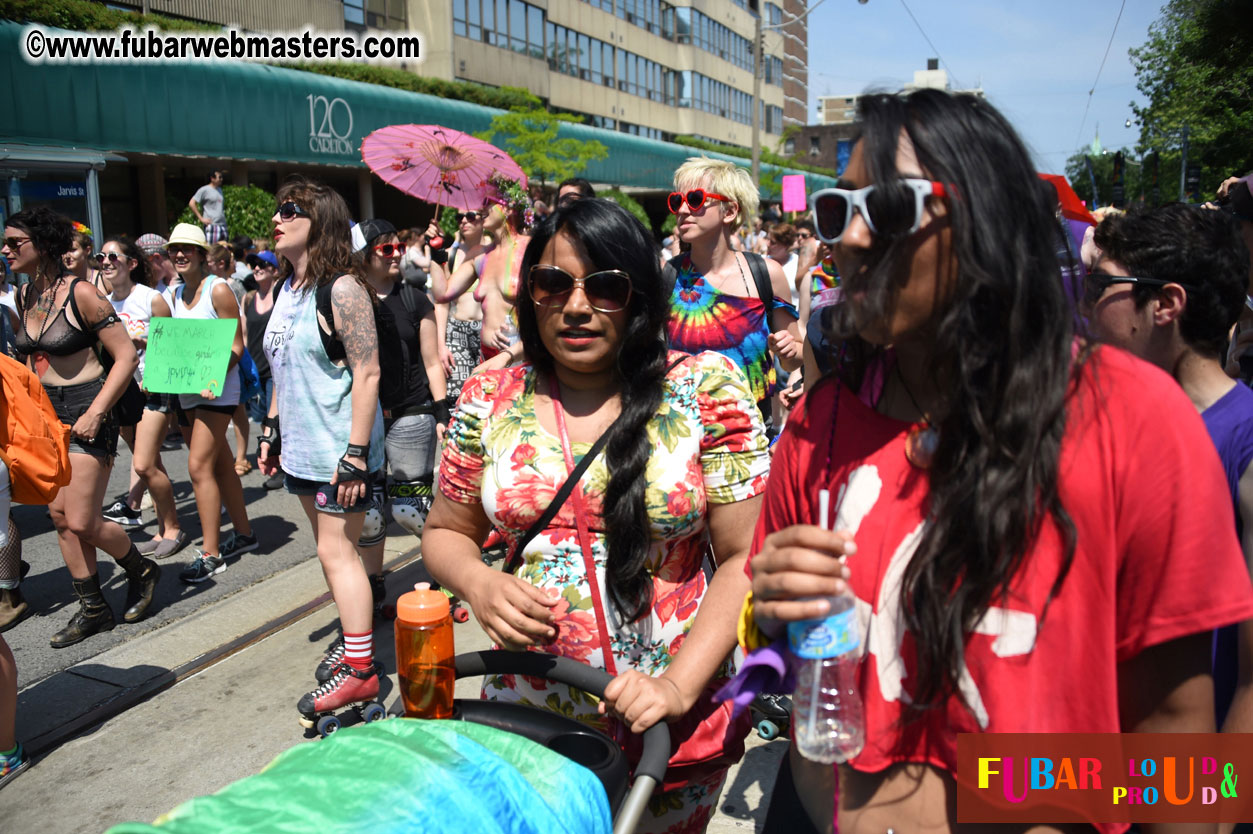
[(1119, 192), (1193, 182)]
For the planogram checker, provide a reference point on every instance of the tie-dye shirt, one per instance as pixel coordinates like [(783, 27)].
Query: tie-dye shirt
[(703, 318)]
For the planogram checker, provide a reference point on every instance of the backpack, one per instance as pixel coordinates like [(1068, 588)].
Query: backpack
[(35, 445), (756, 265), (393, 353)]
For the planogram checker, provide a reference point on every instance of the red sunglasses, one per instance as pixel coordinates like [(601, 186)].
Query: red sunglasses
[(695, 199), (389, 249)]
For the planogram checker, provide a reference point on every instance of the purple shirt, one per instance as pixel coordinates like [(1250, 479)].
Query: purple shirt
[(1230, 425)]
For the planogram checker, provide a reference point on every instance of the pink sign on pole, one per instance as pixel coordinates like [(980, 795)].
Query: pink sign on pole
[(794, 192)]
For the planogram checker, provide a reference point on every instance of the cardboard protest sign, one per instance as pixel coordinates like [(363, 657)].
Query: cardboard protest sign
[(187, 356)]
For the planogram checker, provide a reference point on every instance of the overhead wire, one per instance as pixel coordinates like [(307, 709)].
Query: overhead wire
[(1092, 90), (933, 47)]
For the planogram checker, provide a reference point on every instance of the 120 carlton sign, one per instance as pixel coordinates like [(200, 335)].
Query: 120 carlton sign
[(330, 125)]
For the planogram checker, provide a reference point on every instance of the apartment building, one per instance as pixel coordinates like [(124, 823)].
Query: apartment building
[(650, 68)]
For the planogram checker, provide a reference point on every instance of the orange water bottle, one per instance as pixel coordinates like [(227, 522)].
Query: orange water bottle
[(424, 652)]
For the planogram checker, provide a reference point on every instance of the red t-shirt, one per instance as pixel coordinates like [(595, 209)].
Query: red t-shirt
[(1156, 557)]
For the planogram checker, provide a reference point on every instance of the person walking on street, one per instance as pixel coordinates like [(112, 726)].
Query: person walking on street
[(209, 206), (136, 303), (209, 460), (325, 426), (62, 321), (258, 305)]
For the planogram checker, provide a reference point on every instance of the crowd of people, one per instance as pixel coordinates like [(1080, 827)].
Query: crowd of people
[(1021, 446)]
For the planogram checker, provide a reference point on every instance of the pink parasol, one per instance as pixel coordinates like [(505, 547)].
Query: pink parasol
[(437, 164)]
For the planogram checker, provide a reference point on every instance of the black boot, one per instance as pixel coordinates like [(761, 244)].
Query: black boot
[(141, 584), (92, 617), (378, 589)]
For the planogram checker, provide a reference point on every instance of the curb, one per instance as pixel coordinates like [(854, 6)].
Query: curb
[(134, 695)]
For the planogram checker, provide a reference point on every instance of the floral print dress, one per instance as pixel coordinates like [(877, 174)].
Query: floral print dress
[(709, 448)]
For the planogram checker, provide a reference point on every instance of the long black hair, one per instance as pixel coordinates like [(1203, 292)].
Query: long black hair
[(1002, 347), (613, 239)]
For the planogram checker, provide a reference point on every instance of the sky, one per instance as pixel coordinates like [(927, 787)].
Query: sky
[(1035, 59)]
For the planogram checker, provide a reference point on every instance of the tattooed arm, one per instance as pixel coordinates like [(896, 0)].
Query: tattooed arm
[(353, 317)]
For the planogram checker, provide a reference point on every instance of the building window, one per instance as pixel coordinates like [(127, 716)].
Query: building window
[(815, 145), (789, 146)]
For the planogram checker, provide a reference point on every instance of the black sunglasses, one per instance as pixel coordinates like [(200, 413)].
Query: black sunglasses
[(1096, 283), (608, 291), (289, 211), (111, 257), (472, 216)]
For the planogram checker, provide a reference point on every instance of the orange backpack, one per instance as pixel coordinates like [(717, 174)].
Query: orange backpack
[(34, 443)]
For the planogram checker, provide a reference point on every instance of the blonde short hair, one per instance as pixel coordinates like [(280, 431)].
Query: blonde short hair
[(720, 177)]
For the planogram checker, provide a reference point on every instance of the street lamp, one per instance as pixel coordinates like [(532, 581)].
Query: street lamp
[(758, 29)]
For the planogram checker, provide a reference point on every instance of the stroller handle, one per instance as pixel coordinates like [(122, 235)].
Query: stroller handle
[(656, 753)]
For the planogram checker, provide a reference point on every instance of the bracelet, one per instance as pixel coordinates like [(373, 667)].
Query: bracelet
[(349, 472), (356, 451)]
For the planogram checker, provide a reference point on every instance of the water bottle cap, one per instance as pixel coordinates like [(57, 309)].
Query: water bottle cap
[(422, 605)]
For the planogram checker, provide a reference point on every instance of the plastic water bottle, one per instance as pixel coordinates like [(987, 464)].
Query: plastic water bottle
[(827, 719), (424, 652)]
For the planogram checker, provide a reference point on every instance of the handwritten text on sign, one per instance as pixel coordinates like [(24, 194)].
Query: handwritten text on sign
[(187, 356)]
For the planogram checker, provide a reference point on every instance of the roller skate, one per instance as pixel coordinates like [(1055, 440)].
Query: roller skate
[(378, 588), (455, 608), (772, 715), (346, 687)]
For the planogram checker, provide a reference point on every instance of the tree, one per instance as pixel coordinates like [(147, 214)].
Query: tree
[(530, 137), (630, 204), (1196, 70), (1137, 182), (248, 212)]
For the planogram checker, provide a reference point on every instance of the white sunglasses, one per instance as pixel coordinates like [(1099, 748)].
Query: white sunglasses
[(886, 207)]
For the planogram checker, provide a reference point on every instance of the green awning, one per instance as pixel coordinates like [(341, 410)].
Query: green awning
[(244, 111)]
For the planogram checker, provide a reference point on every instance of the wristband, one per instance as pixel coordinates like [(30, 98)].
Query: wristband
[(356, 451), (441, 411), (349, 472), (270, 435)]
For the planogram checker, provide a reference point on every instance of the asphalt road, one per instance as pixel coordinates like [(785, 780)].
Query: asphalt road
[(278, 522)]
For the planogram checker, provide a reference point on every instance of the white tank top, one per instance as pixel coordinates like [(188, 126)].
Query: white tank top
[(204, 309)]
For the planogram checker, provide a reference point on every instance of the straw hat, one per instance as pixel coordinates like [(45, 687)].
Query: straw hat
[(188, 234)]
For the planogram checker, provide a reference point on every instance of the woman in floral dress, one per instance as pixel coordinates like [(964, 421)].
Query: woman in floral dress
[(683, 469)]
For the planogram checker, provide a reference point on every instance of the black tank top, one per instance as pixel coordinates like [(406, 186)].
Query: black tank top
[(58, 337), (257, 323)]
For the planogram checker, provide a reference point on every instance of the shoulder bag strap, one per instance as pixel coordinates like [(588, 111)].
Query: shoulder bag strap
[(761, 277), (515, 558)]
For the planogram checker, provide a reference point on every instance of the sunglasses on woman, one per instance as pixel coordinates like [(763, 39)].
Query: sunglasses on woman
[(389, 249), (470, 216), (289, 211), (111, 257), (892, 209), (694, 199), (1096, 283), (607, 291)]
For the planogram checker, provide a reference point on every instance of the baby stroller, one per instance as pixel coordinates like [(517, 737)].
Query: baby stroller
[(495, 767)]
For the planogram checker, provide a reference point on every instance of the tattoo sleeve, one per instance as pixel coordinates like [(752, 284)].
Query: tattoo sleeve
[(354, 322)]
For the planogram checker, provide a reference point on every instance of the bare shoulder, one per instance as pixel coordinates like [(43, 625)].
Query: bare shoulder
[(346, 291)]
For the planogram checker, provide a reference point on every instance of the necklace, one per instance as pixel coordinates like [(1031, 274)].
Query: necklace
[(923, 438), (43, 304)]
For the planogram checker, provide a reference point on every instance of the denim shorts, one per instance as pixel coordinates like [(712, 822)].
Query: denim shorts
[(410, 445), (303, 486), (72, 402), (159, 403)]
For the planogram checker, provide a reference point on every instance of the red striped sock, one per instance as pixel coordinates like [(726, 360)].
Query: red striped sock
[(359, 650)]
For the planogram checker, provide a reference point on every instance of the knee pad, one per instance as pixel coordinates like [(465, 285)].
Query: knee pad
[(410, 502), (374, 529)]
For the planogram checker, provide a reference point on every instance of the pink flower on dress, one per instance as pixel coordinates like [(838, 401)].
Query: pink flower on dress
[(577, 634), (525, 500), (676, 644), (677, 600), (679, 503), (522, 456)]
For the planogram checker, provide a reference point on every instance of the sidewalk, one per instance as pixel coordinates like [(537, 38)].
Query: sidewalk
[(185, 710)]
